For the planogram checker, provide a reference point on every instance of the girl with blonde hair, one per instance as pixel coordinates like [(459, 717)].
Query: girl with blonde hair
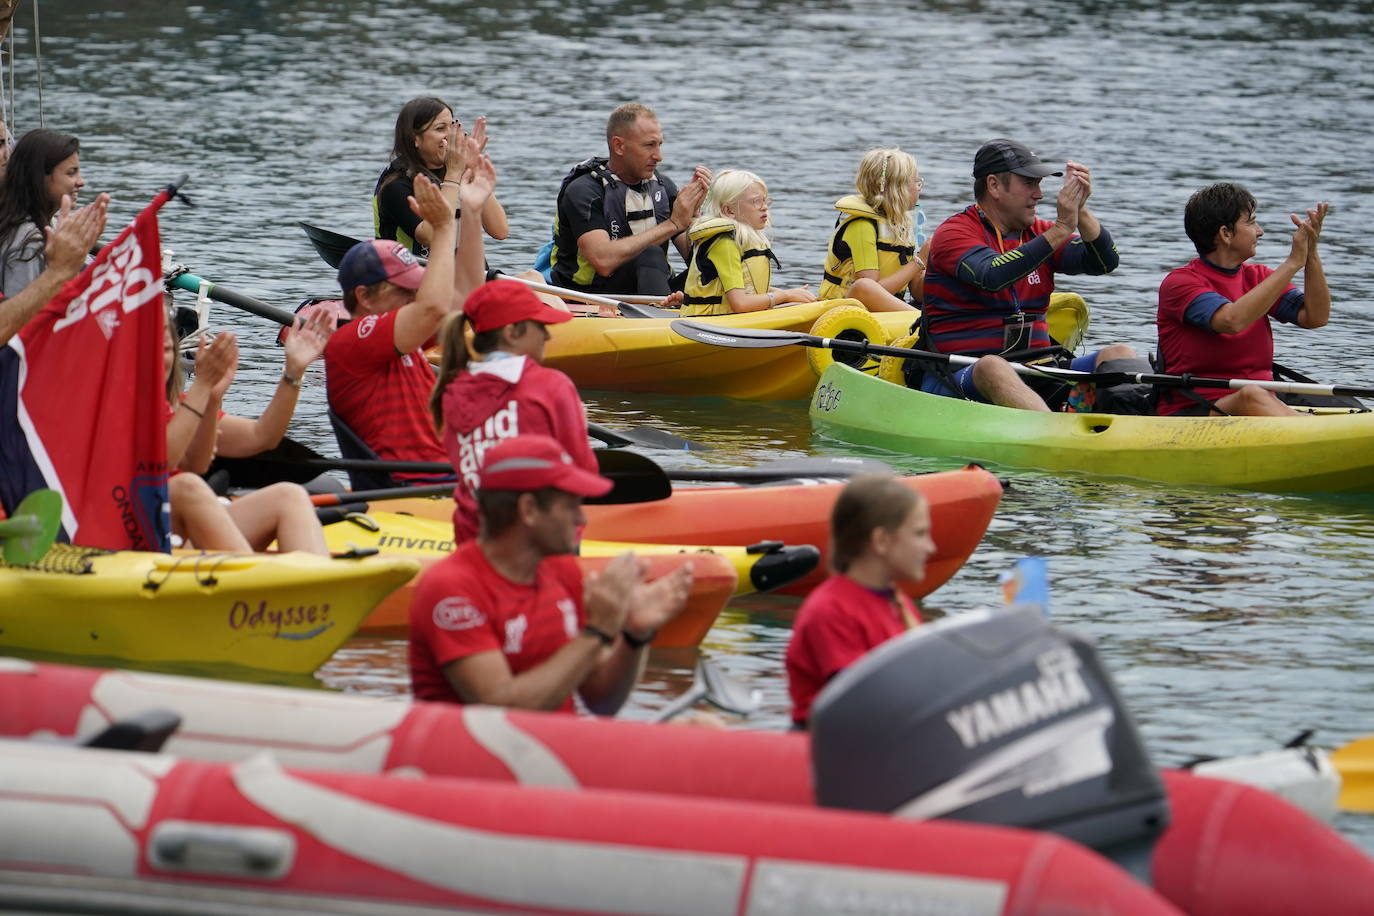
[(872, 255), (730, 269)]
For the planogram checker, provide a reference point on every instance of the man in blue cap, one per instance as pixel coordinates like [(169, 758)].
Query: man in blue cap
[(992, 269)]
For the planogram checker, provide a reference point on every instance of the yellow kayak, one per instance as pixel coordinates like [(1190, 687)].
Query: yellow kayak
[(283, 613), (760, 568), (643, 354)]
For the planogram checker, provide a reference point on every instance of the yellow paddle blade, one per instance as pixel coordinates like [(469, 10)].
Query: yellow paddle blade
[(1067, 319), (1355, 763)]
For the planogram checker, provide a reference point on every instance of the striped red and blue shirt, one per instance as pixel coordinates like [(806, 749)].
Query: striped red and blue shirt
[(976, 278)]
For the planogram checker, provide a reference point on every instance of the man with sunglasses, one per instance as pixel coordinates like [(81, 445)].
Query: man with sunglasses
[(992, 269)]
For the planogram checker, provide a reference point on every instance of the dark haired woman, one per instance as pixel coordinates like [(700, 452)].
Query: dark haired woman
[(880, 534), (44, 165), (426, 144), (499, 389)]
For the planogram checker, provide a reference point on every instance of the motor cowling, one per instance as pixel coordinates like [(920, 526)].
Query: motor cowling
[(998, 717)]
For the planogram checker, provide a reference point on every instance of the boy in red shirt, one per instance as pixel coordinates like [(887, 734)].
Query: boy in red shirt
[(509, 620), (1214, 313)]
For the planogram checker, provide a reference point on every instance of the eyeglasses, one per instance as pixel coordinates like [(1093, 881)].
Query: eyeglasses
[(920, 183), (758, 201)]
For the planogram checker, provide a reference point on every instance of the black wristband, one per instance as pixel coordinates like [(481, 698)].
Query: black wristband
[(634, 642), (606, 638)]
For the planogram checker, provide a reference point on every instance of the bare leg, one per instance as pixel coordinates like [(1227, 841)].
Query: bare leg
[(1251, 401), (546, 298), (199, 517), (281, 512), (998, 382), (1114, 351), (875, 298)]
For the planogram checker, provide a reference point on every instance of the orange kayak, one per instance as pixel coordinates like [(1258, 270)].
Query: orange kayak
[(714, 576), (962, 504)]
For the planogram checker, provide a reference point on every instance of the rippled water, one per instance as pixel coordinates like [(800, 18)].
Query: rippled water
[(1231, 620)]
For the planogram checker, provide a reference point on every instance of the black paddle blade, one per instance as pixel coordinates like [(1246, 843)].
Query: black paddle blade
[(636, 478), (644, 437), (750, 338), (330, 245)]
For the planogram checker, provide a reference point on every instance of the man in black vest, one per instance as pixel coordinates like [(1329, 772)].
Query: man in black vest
[(616, 215)]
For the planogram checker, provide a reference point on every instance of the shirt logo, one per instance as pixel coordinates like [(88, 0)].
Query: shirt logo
[(568, 608), (366, 326), (515, 635), (1034, 278), (457, 614)]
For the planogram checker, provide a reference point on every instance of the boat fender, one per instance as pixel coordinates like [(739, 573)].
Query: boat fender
[(847, 320), (894, 368)]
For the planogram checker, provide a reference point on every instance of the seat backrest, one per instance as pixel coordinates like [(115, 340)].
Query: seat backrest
[(352, 446)]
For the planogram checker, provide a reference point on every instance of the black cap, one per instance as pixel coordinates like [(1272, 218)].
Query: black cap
[(1003, 155)]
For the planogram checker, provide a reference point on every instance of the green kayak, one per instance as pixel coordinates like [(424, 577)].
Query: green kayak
[(1329, 452)]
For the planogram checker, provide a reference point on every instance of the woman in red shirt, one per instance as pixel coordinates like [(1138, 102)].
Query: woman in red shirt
[(495, 388), (880, 534)]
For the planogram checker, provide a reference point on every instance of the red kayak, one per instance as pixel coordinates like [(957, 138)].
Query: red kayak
[(1230, 848)]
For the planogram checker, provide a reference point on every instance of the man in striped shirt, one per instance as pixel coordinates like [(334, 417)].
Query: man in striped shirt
[(992, 269)]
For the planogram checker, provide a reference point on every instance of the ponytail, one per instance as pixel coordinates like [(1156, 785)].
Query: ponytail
[(454, 353), (453, 358)]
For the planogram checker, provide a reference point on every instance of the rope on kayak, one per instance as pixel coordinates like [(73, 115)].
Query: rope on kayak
[(65, 559), (204, 567)]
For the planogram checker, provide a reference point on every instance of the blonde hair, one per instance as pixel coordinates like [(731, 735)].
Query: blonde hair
[(727, 187), (884, 181)]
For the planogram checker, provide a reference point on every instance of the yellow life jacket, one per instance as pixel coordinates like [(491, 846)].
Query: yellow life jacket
[(839, 260), (704, 293)]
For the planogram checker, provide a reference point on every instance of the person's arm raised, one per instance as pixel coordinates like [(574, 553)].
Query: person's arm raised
[(1316, 307), (241, 437), (607, 255), (471, 269), (417, 321), (66, 251), (194, 425), (1234, 317)]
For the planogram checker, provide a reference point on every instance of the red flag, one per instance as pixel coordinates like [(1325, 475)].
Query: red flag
[(83, 406)]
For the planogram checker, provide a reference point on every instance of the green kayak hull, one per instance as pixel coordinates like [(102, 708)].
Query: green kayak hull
[(1329, 453)]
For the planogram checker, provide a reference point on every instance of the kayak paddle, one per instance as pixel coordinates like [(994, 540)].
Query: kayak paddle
[(763, 338), (186, 280), (332, 246), (30, 532)]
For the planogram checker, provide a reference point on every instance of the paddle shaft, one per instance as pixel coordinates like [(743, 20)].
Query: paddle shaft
[(759, 337), (368, 496), (192, 283), (336, 243)]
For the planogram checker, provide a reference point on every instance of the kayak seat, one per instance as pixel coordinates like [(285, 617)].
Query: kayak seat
[(352, 446)]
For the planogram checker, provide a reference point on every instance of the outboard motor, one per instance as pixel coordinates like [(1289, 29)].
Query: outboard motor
[(990, 716)]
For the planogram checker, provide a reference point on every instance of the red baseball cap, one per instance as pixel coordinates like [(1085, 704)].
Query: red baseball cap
[(380, 259), (498, 303), (533, 462)]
